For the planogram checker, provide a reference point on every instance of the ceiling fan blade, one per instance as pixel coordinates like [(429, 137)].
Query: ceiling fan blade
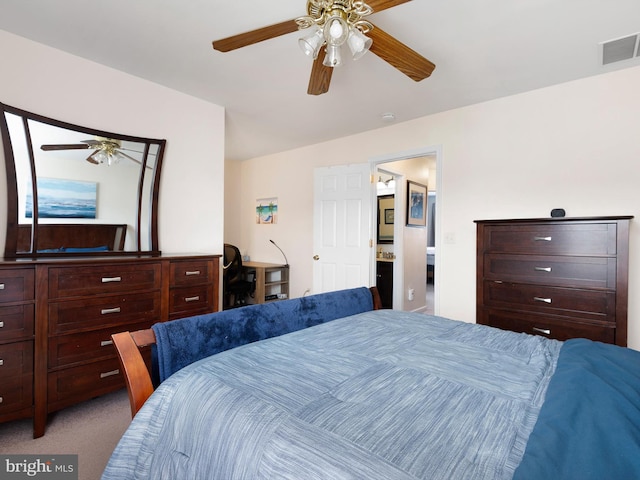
[(379, 5), (255, 36), (320, 76), (69, 146), (130, 157), (398, 55), (90, 158)]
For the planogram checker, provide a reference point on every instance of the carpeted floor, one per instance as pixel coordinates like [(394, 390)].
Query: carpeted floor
[(90, 429)]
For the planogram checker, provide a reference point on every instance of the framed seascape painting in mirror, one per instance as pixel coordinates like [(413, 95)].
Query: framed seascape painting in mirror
[(74, 190)]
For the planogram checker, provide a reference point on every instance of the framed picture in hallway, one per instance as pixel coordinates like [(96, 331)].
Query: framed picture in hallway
[(416, 204)]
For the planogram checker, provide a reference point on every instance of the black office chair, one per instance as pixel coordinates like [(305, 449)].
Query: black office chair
[(235, 286)]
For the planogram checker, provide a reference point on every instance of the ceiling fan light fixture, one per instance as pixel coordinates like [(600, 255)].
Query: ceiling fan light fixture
[(115, 157), (358, 43), (310, 45), (333, 57), (98, 157), (106, 153), (336, 31)]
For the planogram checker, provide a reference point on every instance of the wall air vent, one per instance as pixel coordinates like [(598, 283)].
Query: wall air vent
[(620, 49)]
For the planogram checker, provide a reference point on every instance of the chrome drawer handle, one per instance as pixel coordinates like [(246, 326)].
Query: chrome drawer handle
[(109, 374), (1, 362), (540, 299), (541, 239), (192, 299), (106, 343), (192, 272), (1, 324), (1, 286), (542, 269), (542, 330), (111, 279), (1, 399), (106, 311)]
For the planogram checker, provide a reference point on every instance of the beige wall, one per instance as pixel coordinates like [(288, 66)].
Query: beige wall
[(58, 85), (573, 145)]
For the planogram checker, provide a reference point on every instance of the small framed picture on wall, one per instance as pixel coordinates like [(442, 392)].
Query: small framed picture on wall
[(416, 204)]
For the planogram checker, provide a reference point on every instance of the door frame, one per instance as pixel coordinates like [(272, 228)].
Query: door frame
[(398, 286)]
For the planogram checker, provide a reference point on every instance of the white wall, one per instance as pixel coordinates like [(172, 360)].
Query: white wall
[(573, 146), (55, 84)]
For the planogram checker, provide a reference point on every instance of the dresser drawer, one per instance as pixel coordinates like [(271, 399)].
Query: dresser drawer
[(65, 282), (65, 350), (100, 312), (550, 326), (16, 394), (191, 272), (552, 239), (71, 385), (599, 305), (586, 272), (16, 322), (189, 301), (16, 285), (16, 359)]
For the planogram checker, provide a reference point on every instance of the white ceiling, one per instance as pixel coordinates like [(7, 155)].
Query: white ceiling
[(482, 50)]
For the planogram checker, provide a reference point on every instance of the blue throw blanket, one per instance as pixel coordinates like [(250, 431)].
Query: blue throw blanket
[(182, 342), (589, 425)]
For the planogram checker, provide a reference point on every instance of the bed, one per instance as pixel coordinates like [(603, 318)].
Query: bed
[(392, 395)]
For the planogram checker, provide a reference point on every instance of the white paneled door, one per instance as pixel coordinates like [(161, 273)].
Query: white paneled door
[(342, 226)]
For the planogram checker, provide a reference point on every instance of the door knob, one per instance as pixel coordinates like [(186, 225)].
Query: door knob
[(316, 258)]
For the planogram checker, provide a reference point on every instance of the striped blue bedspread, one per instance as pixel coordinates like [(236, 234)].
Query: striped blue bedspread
[(379, 395)]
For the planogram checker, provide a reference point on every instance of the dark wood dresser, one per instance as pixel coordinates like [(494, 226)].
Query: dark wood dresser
[(17, 307), (57, 317), (557, 277)]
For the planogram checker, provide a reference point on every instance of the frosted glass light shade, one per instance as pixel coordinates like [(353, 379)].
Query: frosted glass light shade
[(311, 44), (358, 43), (336, 31), (333, 57)]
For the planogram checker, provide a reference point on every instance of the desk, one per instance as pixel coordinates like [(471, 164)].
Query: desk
[(272, 281)]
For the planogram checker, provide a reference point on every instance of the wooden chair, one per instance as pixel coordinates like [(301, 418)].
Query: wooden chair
[(135, 369)]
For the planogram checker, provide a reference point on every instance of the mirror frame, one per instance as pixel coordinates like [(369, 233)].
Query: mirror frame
[(387, 241), (11, 242)]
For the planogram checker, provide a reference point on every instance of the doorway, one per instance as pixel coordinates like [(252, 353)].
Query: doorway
[(415, 258)]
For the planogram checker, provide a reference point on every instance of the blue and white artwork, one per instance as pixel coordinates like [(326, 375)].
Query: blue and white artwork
[(416, 204), (58, 198), (267, 210)]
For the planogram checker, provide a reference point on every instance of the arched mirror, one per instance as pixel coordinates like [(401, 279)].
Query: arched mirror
[(73, 190)]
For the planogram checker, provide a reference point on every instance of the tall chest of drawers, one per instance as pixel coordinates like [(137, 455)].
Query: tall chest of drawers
[(69, 309), (561, 278)]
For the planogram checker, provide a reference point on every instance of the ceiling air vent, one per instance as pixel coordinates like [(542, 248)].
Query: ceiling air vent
[(619, 49)]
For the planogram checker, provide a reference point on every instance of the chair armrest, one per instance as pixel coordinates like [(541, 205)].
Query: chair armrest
[(377, 300), (136, 374)]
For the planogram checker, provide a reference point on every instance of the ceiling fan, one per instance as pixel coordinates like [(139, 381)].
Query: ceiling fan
[(332, 24), (105, 150)]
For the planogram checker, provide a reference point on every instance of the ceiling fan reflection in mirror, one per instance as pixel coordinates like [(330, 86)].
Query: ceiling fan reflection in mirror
[(105, 150), (332, 24)]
